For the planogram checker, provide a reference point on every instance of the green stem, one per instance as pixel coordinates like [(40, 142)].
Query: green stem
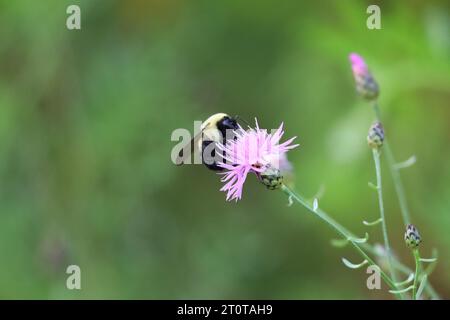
[(396, 264), (376, 159), (403, 269), (398, 185), (400, 191), (341, 230), (417, 273)]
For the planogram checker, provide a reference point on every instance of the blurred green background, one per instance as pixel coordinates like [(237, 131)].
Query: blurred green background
[(86, 118)]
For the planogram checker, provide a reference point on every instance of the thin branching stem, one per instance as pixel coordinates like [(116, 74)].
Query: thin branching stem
[(364, 247), (398, 184), (403, 269), (417, 273), (376, 159), (341, 230), (368, 247), (400, 191)]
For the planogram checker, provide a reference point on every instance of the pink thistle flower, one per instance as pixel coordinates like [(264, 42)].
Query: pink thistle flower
[(366, 85), (253, 151)]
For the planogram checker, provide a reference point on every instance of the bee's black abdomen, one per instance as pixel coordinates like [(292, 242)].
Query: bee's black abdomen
[(209, 159)]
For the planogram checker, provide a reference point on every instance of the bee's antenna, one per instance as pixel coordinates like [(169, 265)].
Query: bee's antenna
[(241, 119)]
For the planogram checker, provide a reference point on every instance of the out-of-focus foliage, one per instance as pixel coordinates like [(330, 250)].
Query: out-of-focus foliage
[(86, 118)]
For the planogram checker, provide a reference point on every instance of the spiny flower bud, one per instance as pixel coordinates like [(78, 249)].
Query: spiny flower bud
[(271, 177), (412, 236), (375, 136), (366, 85)]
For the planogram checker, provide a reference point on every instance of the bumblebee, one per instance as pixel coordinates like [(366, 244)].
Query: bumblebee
[(213, 130)]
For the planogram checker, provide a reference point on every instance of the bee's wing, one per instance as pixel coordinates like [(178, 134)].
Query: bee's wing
[(188, 150)]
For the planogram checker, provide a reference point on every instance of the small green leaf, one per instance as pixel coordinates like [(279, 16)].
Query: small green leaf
[(410, 278), (291, 202), (428, 260), (406, 164), (352, 265), (402, 290), (360, 240), (339, 243), (315, 204), (432, 265), (372, 186), (374, 223)]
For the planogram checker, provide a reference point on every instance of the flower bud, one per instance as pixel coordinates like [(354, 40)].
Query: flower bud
[(271, 177), (365, 83), (375, 137), (412, 236)]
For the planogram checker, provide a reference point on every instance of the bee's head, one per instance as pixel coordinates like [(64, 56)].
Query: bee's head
[(227, 123)]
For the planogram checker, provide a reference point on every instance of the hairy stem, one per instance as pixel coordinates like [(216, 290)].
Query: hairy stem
[(376, 159), (341, 230)]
